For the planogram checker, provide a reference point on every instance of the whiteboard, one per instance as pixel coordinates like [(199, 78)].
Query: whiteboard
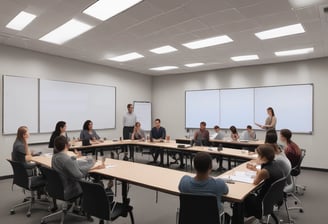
[(143, 112), (237, 107), (202, 105), (75, 103), (20, 104), (293, 106)]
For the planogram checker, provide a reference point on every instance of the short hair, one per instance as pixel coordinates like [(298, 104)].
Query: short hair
[(203, 162), (287, 134), (203, 123), (271, 109), (86, 124), (129, 105), (216, 127), (157, 119), (60, 143), (271, 137), (233, 129), (266, 151), (249, 127)]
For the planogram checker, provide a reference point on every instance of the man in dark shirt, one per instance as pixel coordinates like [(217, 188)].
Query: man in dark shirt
[(158, 133)]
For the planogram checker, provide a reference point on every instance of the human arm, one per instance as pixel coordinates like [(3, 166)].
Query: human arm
[(260, 174), (272, 123), (163, 134)]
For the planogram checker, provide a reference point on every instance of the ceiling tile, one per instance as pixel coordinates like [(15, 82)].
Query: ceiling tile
[(222, 17)]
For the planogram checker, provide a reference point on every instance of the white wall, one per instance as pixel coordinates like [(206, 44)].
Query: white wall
[(14, 61), (169, 97)]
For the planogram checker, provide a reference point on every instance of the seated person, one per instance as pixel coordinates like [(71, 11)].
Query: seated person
[(292, 151), (69, 169), (60, 129), (234, 133), (88, 133), (22, 154), (202, 136), (218, 135), (280, 157), (137, 134), (270, 172), (249, 133), (203, 183), (158, 133)]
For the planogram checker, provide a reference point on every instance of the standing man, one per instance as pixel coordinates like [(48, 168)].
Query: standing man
[(129, 120)]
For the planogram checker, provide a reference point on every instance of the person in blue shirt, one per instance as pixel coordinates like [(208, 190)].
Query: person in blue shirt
[(203, 183), (158, 133)]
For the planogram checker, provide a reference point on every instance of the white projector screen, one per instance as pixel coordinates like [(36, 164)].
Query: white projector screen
[(143, 113), (202, 105), (20, 104), (237, 107), (293, 106), (76, 103)]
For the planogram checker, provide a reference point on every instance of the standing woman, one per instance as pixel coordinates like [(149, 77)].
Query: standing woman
[(88, 133), (60, 129), (270, 121)]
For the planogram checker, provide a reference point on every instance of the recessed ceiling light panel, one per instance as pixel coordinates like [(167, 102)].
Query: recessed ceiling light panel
[(21, 21), (164, 68), (126, 57), (245, 57), (191, 65), (66, 32), (105, 9), (208, 42), (281, 32), (294, 52), (163, 49)]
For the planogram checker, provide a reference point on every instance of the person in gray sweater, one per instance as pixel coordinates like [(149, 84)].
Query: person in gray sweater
[(70, 169)]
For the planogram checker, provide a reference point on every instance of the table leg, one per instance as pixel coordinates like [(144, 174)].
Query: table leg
[(237, 213)]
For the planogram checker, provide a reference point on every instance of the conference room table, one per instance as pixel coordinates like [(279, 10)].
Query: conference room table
[(169, 146), (239, 144), (164, 180)]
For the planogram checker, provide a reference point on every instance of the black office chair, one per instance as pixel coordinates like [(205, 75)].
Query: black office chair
[(273, 196), (95, 203), (55, 189), (195, 209), (29, 183), (296, 171)]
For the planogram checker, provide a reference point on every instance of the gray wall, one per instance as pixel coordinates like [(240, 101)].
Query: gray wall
[(14, 61), (169, 97)]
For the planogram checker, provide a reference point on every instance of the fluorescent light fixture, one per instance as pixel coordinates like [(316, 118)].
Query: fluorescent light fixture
[(105, 9), (21, 21), (194, 64), (245, 57), (163, 49), (66, 32), (163, 68), (294, 52), (281, 32), (212, 41), (126, 57)]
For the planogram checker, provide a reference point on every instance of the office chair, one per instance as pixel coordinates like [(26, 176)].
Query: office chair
[(195, 209), (95, 203), (273, 196), (29, 183), (296, 171), (55, 189)]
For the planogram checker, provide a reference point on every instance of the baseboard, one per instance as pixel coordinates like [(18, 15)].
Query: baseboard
[(315, 169), (6, 177)]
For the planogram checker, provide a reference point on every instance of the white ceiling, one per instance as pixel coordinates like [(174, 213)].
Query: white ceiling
[(154, 23)]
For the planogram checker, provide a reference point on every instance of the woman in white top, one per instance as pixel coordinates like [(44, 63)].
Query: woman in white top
[(270, 121)]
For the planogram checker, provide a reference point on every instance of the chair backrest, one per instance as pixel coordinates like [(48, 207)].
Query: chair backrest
[(195, 209), (21, 178), (94, 200), (54, 185), (297, 169), (273, 196)]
